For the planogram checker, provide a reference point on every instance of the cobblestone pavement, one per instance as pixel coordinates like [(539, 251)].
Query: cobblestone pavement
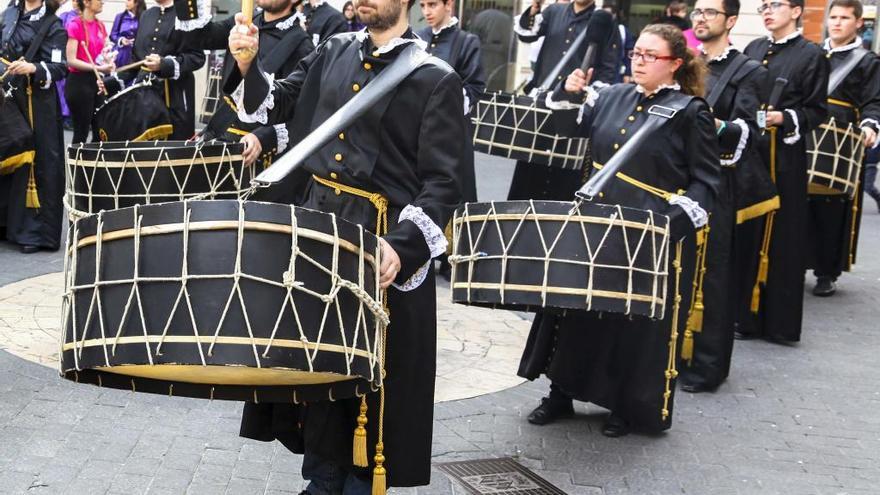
[(792, 420)]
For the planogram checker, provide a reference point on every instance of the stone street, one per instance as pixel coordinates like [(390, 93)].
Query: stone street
[(801, 419)]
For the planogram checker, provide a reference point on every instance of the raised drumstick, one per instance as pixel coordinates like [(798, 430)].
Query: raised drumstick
[(94, 68)]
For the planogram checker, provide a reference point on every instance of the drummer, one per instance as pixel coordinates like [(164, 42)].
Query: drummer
[(559, 25), (167, 57), (833, 218), (401, 152), (283, 43), (323, 20), (622, 364)]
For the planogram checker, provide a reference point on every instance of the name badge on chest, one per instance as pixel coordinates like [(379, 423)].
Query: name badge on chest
[(56, 56)]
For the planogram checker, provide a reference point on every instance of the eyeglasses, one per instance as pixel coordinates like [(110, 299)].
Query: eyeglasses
[(772, 6), (648, 58), (709, 14)]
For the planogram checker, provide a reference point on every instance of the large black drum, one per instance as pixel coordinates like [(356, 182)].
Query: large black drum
[(522, 128), (137, 113), (224, 300), (16, 138), (533, 255), (107, 176)]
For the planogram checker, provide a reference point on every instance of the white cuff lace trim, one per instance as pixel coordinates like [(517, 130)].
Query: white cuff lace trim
[(539, 18), (174, 61), (552, 104), (797, 128), (694, 211), (869, 122), (199, 22), (416, 280), (467, 102), (48, 74), (282, 138), (434, 238), (741, 145), (261, 115)]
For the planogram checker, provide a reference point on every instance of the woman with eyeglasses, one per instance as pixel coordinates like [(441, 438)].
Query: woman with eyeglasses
[(627, 365), (771, 283)]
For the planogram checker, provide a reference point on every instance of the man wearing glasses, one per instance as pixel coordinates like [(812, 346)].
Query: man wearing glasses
[(793, 104), (733, 87), (834, 218)]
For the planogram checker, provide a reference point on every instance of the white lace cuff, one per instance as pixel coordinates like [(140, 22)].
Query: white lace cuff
[(282, 138), (434, 236), (552, 104), (694, 211), (741, 145), (174, 61), (199, 22), (797, 128), (467, 102), (536, 26), (48, 76), (416, 280), (870, 122), (261, 115)]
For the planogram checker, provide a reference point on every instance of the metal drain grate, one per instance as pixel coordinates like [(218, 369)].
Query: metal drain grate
[(497, 477)]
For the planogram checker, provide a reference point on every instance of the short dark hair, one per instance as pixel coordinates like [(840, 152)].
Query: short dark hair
[(797, 3), (731, 7), (856, 5)]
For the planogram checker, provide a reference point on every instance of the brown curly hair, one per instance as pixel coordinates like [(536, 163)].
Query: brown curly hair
[(692, 73)]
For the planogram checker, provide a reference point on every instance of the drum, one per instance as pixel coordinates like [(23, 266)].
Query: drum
[(834, 156), (107, 176), (16, 140), (137, 113), (223, 299), (531, 255), (522, 128)]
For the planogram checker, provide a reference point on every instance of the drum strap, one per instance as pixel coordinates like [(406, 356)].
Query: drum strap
[(838, 75), (725, 78)]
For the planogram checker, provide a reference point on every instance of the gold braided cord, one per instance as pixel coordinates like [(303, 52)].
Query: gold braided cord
[(31, 197), (14, 162), (656, 191), (671, 372)]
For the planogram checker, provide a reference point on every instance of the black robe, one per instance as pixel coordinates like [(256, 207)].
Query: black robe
[(156, 35), (283, 43), (323, 22), (461, 50), (780, 311), (833, 218), (737, 107), (612, 360), (402, 148), (40, 226), (560, 26)]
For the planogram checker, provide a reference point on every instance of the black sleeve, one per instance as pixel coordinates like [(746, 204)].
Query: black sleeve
[(814, 107), (606, 68), (213, 36), (54, 44), (870, 97), (470, 69), (189, 58), (335, 24), (526, 23), (745, 110)]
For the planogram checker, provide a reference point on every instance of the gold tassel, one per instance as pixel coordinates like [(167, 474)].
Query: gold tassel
[(687, 347), (764, 268), (360, 437), (756, 297), (695, 322), (379, 483), (31, 199)]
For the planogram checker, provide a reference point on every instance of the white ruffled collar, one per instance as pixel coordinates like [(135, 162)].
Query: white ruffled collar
[(290, 22), (363, 34), (719, 58), (845, 48), (39, 15), (641, 89), (785, 39), (452, 22)]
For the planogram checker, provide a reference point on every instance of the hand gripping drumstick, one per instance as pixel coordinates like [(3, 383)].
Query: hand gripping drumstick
[(247, 12), (94, 67), (133, 65)]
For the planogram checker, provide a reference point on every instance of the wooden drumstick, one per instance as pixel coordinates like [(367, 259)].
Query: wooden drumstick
[(247, 13), (133, 65), (94, 67)]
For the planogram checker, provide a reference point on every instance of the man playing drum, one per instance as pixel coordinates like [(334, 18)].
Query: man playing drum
[(395, 171), (855, 102)]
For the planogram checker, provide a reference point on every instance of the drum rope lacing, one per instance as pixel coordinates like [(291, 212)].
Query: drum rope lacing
[(368, 302), (846, 155), (658, 272)]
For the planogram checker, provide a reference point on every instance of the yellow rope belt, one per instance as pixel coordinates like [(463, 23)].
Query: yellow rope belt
[(840, 103), (656, 191)]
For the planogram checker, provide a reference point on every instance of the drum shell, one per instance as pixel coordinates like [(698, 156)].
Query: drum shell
[(16, 138), (835, 152), (212, 242), (137, 113), (523, 128), (478, 280), (107, 176)]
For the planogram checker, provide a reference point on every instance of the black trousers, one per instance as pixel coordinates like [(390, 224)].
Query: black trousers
[(81, 93)]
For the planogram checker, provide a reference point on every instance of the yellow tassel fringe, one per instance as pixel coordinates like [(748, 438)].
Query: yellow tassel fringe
[(31, 199), (360, 437), (687, 347), (379, 484)]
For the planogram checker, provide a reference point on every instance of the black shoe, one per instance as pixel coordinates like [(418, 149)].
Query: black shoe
[(550, 410), (695, 388), (825, 287), (743, 336), (615, 427), (28, 248)]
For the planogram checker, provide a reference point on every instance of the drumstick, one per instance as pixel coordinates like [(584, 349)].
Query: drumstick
[(94, 66), (6, 72), (132, 65)]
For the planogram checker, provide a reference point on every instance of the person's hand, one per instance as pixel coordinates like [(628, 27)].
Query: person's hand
[(536, 7), (252, 149), (577, 81), (102, 90), (126, 41), (106, 68), (152, 62), (21, 68), (244, 42), (390, 266), (774, 118), (869, 137)]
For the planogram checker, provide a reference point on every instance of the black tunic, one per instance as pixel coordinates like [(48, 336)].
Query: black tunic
[(833, 220), (612, 360), (804, 108), (283, 43), (736, 106), (461, 50), (403, 148), (323, 22), (156, 35), (42, 226)]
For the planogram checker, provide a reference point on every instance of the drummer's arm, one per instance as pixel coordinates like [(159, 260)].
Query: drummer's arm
[(51, 61), (194, 19), (572, 104), (797, 122), (870, 101), (742, 128), (531, 27), (184, 59), (418, 237)]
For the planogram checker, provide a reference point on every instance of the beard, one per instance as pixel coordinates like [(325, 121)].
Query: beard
[(384, 16), (274, 6), (707, 34)]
